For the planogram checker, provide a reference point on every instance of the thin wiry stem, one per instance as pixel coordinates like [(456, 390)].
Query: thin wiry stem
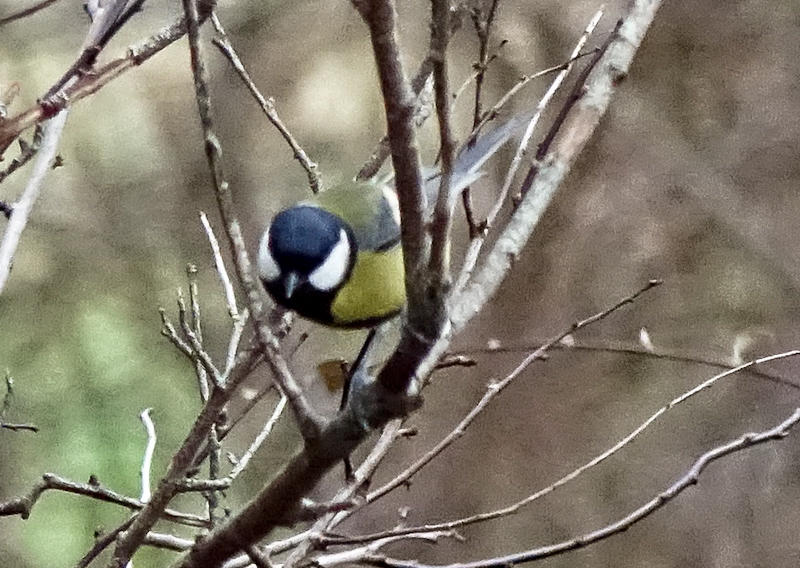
[(147, 458), (495, 389), (478, 240), (483, 28), (580, 119), (269, 425), (689, 479), (267, 105), (89, 83), (571, 476), (26, 12)]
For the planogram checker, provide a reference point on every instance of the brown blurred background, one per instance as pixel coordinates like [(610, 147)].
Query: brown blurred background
[(692, 178)]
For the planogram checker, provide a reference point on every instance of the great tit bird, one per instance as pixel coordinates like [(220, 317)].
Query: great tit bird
[(336, 258)]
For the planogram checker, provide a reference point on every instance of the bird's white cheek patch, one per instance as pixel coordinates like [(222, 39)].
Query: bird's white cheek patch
[(391, 197), (331, 273), (268, 269)]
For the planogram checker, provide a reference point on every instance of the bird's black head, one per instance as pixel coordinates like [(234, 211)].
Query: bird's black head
[(305, 257)]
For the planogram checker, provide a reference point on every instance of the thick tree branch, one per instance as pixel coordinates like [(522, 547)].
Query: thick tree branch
[(439, 267), (399, 103)]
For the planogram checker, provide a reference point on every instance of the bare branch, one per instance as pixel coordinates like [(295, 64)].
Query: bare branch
[(219, 262), (23, 207), (423, 341), (267, 105), (241, 464), (583, 118), (574, 474), (168, 542), (108, 17), (18, 427), (476, 245), (135, 535), (103, 542), (495, 389), (421, 86), (90, 83), (368, 554), (27, 152), (399, 103), (622, 348), (307, 419), (483, 28), (27, 12), (23, 506), (359, 478), (689, 479)]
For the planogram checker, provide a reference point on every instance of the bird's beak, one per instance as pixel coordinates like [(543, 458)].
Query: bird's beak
[(290, 284)]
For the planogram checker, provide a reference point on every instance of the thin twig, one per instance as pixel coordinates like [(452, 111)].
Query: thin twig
[(103, 542), (203, 363), (421, 86), (241, 464), (18, 427), (609, 69), (466, 357), (88, 84), (439, 264), (107, 20), (492, 113), (306, 416), (574, 474), (183, 459), (366, 554), (133, 538), (27, 12), (147, 458), (359, 479), (23, 207), (219, 262), (23, 506), (168, 542), (495, 389), (689, 479), (226, 47), (248, 359), (27, 152), (204, 366), (399, 102), (168, 330), (540, 108), (239, 317), (483, 28), (478, 239)]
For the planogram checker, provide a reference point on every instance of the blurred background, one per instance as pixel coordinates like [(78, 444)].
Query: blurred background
[(692, 177)]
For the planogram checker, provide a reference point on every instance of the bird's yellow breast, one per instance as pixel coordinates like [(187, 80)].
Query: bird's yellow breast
[(375, 290)]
